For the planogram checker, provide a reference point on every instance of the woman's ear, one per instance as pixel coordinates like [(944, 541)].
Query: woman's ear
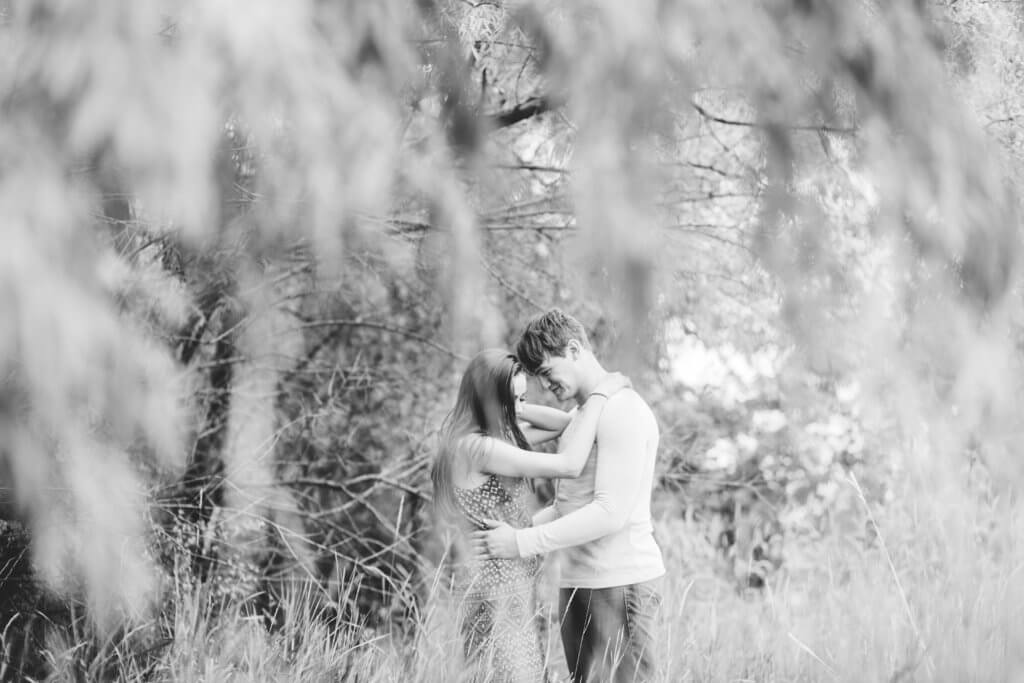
[(573, 349)]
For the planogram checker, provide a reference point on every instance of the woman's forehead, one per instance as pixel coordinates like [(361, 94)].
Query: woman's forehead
[(519, 383)]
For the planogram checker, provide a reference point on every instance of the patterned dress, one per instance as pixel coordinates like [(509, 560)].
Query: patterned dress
[(500, 628)]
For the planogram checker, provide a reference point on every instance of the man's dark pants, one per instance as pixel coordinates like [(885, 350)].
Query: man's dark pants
[(608, 633)]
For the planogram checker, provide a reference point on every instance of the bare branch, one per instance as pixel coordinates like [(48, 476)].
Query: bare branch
[(386, 328), (522, 111), (532, 167), (753, 124), (344, 488)]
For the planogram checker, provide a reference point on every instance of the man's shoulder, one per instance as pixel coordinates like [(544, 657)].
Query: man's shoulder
[(627, 399), (626, 404)]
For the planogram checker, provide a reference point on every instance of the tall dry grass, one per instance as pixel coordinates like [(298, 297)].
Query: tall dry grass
[(936, 596)]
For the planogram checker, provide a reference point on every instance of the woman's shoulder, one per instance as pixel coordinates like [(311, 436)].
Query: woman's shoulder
[(468, 451), (471, 444)]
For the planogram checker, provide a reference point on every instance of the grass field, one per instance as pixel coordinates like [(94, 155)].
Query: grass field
[(936, 597)]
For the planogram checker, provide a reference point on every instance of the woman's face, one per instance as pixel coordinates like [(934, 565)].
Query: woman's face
[(519, 390)]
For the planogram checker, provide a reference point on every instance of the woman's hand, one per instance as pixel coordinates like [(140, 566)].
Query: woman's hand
[(612, 382)]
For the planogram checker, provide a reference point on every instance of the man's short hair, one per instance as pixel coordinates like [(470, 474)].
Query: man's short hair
[(547, 335)]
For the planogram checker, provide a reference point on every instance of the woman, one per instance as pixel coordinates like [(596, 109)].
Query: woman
[(481, 473)]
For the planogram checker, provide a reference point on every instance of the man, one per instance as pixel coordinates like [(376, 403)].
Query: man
[(600, 522)]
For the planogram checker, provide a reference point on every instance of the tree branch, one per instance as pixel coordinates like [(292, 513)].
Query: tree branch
[(532, 167), (753, 124), (384, 328), (344, 488), (522, 111)]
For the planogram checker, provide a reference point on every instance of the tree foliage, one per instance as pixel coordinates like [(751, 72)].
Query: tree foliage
[(248, 247)]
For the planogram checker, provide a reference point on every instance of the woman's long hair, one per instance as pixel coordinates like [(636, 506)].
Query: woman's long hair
[(485, 405)]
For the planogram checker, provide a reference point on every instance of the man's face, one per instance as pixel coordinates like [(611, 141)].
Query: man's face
[(557, 374)]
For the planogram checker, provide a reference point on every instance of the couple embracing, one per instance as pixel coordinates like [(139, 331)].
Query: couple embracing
[(600, 522)]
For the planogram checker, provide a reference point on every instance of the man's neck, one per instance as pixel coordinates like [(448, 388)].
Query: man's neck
[(592, 376)]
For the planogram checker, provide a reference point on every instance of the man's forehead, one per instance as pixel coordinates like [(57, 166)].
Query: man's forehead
[(547, 363), (550, 360)]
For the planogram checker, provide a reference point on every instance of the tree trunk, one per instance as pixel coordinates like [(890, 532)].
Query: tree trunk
[(261, 525)]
